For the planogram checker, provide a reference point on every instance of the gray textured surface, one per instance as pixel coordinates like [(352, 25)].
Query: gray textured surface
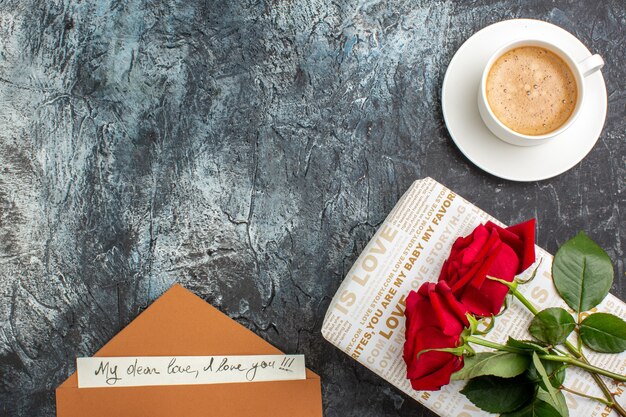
[(248, 151)]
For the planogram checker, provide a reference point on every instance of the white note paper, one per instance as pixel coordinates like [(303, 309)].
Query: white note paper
[(187, 370)]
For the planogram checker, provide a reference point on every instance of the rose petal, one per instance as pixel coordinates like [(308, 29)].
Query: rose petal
[(484, 305), (433, 369), (479, 236), (448, 322), (489, 241), (491, 254), (526, 232), (505, 265), (489, 297), (419, 314), (460, 246), (414, 320), (439, 378), (444, 275), (455, 306), (521, 238), (429, 338)]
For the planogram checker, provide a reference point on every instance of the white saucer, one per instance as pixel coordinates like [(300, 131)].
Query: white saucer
[(517, 163)]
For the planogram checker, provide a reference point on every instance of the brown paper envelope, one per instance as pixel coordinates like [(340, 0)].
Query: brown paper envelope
[(182, 324)]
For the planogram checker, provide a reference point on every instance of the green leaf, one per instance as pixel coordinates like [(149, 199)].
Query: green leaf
[(552, 325), (554, 370), (499, 395), (537, 408), (502, 364), (545, 380), (604, 332), (542, 406), (560, 406), (582, 273), (527, 345)]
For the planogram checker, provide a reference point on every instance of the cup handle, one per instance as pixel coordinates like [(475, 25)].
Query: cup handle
[(591, 64)]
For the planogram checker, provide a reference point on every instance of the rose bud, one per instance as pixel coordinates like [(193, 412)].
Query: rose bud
[(489, 251), (434, 320)]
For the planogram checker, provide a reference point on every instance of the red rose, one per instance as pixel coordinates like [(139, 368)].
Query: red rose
[(434, 319), (489, 250)]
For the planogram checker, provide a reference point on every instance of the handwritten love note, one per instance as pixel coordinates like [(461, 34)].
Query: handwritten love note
[(187, 370)]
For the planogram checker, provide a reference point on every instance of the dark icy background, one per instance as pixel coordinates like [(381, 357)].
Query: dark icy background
[(247, 150)]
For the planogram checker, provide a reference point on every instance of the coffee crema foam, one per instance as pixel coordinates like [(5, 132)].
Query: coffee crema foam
[(531, 90)]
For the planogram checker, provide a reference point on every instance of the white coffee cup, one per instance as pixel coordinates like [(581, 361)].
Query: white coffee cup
[(580, 70)]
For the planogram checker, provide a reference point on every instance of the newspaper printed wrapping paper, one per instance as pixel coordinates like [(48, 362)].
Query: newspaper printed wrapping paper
[(366, 317)]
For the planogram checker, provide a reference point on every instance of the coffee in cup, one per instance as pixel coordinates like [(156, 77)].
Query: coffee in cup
[(531, 90)]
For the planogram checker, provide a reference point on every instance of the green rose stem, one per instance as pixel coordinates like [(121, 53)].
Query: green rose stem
[(584, 365), (591, 397), (553, 358), (573, 350), (607, 393), (605, 390)]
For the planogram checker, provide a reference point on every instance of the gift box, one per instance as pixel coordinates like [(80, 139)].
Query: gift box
[(366, 316)]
